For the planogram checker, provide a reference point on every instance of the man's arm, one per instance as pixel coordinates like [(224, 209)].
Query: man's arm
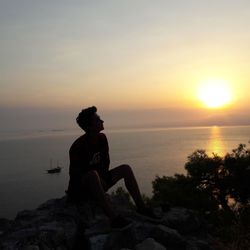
[(105, 153)]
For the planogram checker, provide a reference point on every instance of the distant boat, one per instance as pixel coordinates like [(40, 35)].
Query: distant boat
[(54, 170)]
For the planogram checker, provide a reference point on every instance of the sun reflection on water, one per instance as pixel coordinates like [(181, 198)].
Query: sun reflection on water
[(215, 143)]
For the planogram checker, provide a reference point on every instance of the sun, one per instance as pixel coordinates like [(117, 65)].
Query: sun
[(215, 93)]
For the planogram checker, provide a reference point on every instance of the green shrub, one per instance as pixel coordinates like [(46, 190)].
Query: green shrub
[(219, 187), (181, 190)]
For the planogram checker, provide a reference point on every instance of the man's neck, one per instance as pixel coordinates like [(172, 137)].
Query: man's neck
[(92, 135)]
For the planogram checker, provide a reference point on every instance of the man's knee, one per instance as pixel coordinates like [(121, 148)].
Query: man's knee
[(126, 169)]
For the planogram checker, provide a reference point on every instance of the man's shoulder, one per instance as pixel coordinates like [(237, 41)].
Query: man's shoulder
[(103, 141), (102, 136), (79, 142)]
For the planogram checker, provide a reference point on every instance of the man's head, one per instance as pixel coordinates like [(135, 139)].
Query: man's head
[(89, 121)]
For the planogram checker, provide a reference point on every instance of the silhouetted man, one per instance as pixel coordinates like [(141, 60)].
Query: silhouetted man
[(89, 169)]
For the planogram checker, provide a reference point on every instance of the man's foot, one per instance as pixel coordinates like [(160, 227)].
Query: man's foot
[(146, 211), (119, 223)]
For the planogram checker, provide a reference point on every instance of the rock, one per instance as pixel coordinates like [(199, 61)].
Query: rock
[(182, 219), (99, 226), (197, 244), (32, 247), (5, 225), (168, 237), (120, 239), (149, 244), (142, 230), (58, 225), (97, 242), (45, 226)]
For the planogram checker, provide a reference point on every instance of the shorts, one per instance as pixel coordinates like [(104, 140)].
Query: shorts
[(79, 192)]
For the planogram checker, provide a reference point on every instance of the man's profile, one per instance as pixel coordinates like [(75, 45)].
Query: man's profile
[(89, 169)]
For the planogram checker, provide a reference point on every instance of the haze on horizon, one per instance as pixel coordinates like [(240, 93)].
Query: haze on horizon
[(140, 62)]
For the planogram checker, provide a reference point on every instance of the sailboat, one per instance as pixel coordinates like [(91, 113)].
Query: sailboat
[(57, 169)]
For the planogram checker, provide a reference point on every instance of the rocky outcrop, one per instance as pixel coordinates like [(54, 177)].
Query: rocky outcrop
[(60, 226)]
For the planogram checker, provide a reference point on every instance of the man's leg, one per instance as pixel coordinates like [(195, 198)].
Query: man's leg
[(125, 172), (93, 182)]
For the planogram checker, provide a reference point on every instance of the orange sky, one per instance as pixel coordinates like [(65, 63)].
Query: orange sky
[(121, 56)]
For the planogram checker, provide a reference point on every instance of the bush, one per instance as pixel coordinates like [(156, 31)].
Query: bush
[(223, 178), (217, 187), (181, 190)]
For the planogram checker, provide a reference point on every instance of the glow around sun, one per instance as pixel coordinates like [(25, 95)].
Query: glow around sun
[(215, 93)]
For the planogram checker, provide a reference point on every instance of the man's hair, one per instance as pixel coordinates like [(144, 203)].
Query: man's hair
[(84, 117)]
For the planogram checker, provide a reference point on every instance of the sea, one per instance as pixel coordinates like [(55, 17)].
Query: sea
[(25, 157)]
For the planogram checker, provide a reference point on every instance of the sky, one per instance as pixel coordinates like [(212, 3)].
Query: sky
[(140, 62)]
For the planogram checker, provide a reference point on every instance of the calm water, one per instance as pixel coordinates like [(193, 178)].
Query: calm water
[(26, 155)]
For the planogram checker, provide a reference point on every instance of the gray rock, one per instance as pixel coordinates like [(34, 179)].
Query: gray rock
[(149, 244), (182, 219), (43, 227), (142, 230), (168, 237), (100, 226), (5, 225), (198, 244), (98, 241), (58, 225), (120, 239), (32, 247)]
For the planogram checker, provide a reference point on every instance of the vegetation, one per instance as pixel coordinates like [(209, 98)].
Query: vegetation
[(218, 187)]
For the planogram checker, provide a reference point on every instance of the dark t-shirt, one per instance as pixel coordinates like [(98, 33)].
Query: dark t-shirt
[(87, 154)]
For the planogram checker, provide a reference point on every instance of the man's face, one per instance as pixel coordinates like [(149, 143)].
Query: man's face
[(96, 123)]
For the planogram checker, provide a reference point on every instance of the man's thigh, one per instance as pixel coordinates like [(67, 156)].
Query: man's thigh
[(114, 175)]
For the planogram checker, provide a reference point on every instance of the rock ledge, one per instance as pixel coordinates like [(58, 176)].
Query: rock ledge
[(57, 225)]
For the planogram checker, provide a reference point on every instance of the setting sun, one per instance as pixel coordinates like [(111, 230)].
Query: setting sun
[(215, 93)]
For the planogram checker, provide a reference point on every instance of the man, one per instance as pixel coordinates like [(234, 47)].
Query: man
[(89, 169)]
